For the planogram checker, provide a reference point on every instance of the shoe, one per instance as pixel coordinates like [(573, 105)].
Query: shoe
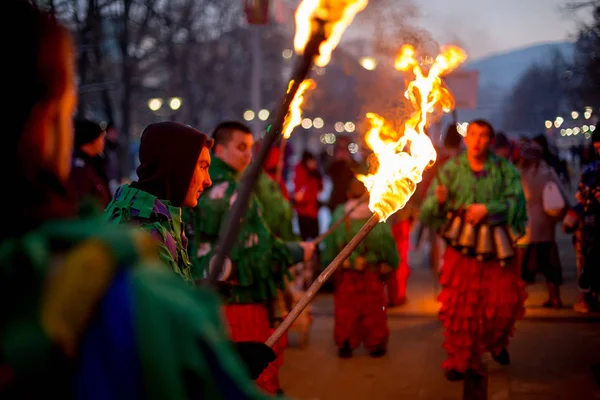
[(378, 352), (581, 307), (502, 357), (454, 376), (345, 352), (553, 304)]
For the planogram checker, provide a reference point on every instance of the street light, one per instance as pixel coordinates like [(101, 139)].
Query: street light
[(548, 124), (155, 104), (248, 115), (318, 123), (263, 114), (306, 123), (574, 114), (175, 103)]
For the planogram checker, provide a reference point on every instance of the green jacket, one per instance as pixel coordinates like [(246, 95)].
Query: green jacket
[(498, 186), (160, 218), (377, 248), (98, 316), (260, 260), (277, 210)]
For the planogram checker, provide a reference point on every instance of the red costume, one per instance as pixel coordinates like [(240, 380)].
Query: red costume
[(481, 300), (359, 295)]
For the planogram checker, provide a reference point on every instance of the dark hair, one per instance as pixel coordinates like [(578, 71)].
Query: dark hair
[(500, 141), (86, 131), (485, 124), (223, 132), (307, 155), (452, 139), (542, 141)]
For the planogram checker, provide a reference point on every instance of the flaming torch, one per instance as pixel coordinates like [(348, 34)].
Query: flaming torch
[(320, 25), (292, 119), (402, 157)]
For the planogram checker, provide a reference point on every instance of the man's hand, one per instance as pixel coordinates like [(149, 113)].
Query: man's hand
[(441, 193), (475, 213), (309, 250)]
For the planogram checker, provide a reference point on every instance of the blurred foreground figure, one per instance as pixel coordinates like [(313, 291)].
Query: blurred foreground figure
[(482, 293), (87, 310)]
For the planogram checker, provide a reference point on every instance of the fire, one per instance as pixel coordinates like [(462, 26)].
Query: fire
[(399, 170), (337, 16), (294, 116)]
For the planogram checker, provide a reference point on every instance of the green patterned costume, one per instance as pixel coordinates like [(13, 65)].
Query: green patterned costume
[(160, 218), (260, 260), (498, 186), (98, 316), (378, 247), (280, 215)]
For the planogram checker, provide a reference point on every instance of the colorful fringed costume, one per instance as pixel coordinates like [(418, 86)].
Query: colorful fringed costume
[(481, 300), (98, 316), (360, 304), (160, 218), (259, 260)]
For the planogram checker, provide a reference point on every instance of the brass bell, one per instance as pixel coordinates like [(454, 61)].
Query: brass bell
[(467, 238), (485, 243), (502, 241), (452, 229)]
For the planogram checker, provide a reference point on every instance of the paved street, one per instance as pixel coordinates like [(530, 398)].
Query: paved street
[(555, 355)]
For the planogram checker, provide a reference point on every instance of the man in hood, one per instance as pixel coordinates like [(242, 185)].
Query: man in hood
[(173, 173)]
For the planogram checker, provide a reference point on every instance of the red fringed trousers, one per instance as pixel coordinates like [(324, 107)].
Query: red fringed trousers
[(399, 278), (250, 322), (360, 314), (481, 301)]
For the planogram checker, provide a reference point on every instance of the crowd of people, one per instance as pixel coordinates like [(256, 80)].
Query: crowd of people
[(104, 289)]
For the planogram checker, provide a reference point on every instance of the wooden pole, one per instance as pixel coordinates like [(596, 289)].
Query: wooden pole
[(231, 227)]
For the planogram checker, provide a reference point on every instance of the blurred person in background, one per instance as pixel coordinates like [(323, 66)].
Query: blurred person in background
[(341, 172), (88, 176), (584, 221), (540, 251), (359, 298), (308, 183)]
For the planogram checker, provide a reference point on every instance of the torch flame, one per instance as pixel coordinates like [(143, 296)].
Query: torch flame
[(337, 15), (294, 116), (399, 171)]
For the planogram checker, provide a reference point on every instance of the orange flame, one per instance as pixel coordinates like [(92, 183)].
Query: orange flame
[(294, 116), (399, 171), (337, 16)]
